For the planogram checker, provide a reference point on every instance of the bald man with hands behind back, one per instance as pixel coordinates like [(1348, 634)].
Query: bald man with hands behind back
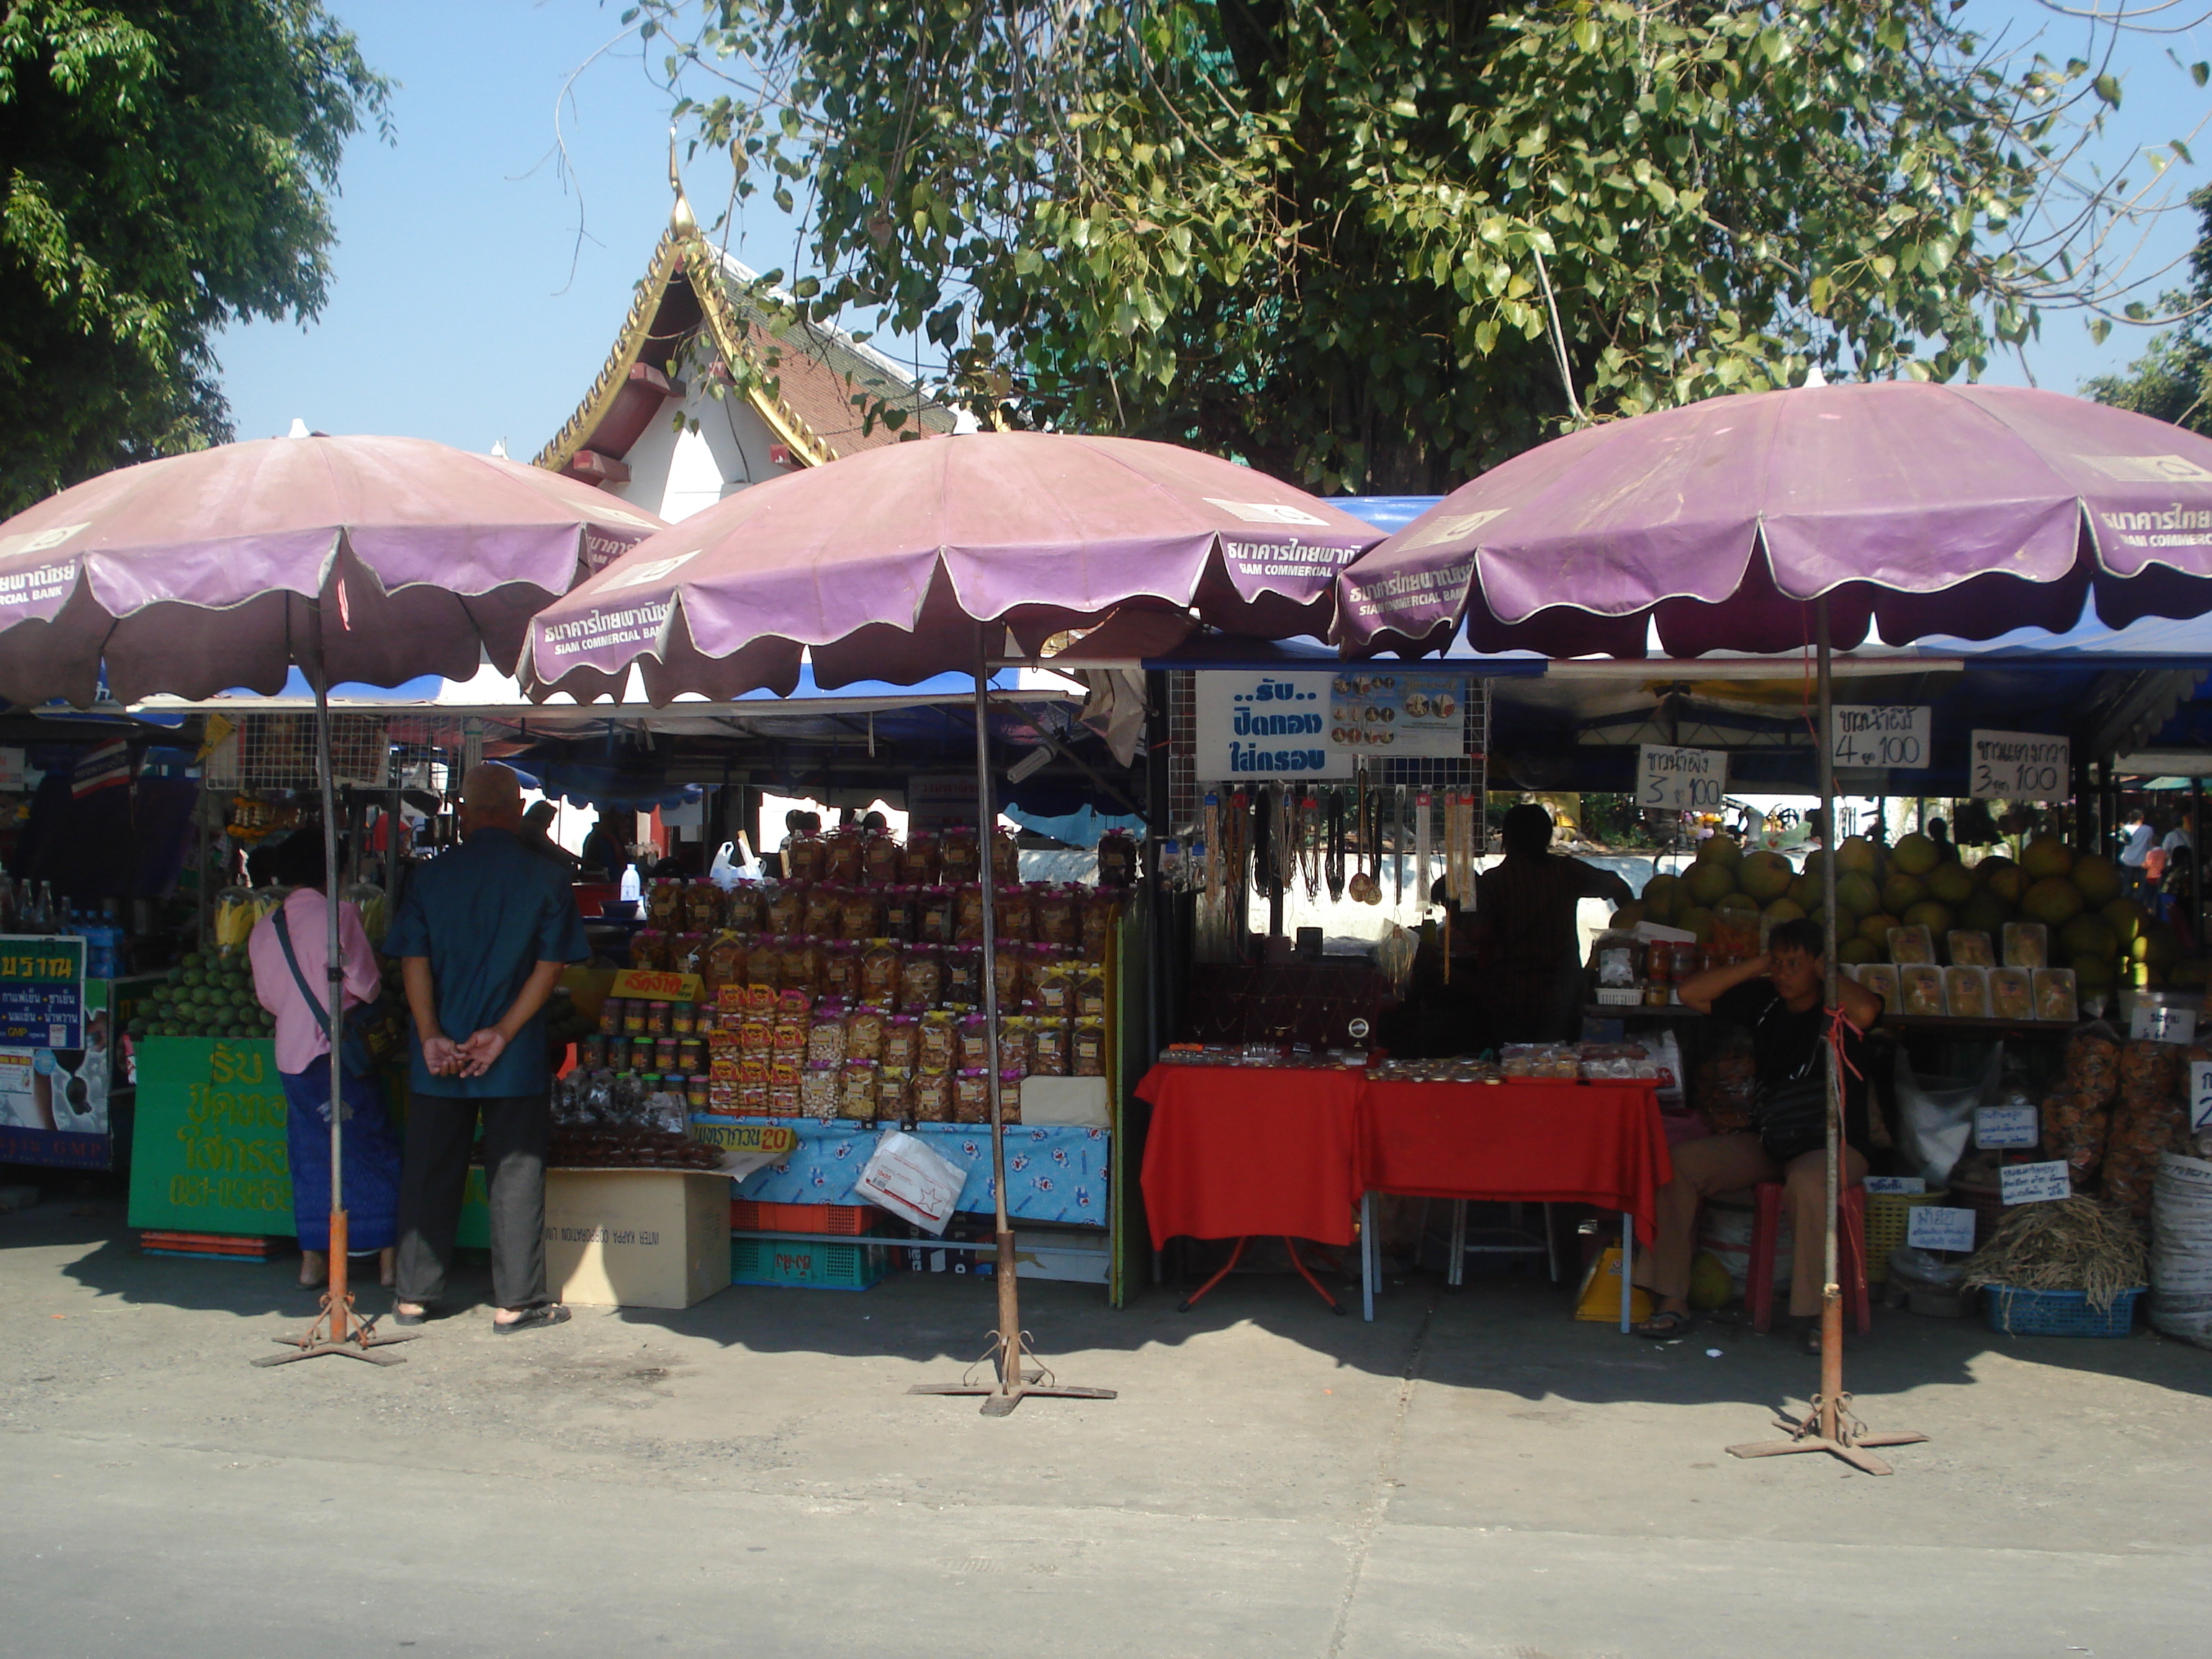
[(481, 937)]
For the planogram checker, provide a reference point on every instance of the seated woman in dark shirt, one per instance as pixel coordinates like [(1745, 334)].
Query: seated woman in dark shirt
[(1777, 997)]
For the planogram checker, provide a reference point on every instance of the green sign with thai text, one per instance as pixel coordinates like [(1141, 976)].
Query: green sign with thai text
[(209, 1152)]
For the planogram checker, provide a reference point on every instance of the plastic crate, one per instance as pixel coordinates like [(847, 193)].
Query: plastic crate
[(1888, 1215), (755, 1216), (2054, 1313), (814, 1266)]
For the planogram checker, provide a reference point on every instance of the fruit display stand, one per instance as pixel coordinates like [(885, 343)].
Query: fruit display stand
[(209, 1153)]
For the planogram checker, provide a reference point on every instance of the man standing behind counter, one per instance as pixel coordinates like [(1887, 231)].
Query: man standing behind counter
[(482, 936)]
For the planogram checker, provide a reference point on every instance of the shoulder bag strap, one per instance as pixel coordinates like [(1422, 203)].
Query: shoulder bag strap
[(284, 937)]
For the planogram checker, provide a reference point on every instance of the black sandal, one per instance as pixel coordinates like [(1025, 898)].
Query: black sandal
[(429, 1313), (1665, 1325), (546, 1313)]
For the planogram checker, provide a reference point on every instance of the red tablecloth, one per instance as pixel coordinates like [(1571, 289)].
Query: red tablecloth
[(1572, 1143), (1268, 1150)]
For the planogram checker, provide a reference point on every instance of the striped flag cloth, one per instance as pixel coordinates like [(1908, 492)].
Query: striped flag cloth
[(105, 765)]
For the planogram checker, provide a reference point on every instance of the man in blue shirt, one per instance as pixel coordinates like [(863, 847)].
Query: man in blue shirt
[(482, 936)]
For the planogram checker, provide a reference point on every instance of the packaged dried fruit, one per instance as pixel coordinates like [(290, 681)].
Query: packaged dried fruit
[(1009, 1094), (1014, 1043), (818, 1091), (968, 916), (1017, 913), (895, 1094), (1910, 946), (1970, 949), (744, 907), (704, 905), (1011, 963), (1966, 992), (785, 908), (825, 1038), (963, 975), (1054, 986), (921, 980), (864, 1034), (860, 916), (824, 907), (929, 1097), (804, 858), (940, 1043), (842, 861), (2012, 994), (935, 922), (2055, 994), (1059, 917), (880, 970), (2026, 945), (1048, 1048), (974, 1042), (841, 971), (901, 1049), (958, 858), (971, 1096), (1099, 911), (856, 1088), (879, 862), (918, 860), (1879, 979), (1092, 994), (1087, 1053), (1921, 986)]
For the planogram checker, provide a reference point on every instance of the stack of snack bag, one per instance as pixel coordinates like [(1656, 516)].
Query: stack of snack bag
[(848, 991), (2077, 1112), (2151, 1119)]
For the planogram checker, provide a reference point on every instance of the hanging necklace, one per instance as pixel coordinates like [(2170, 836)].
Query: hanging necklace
[(1333, 870), (1309, 844)]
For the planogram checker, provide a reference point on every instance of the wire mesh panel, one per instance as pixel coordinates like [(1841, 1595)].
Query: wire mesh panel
[(278, 751)]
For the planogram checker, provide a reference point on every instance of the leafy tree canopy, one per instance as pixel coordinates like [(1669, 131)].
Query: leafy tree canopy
[(1329, 236), (2172, 379), (166, 167)]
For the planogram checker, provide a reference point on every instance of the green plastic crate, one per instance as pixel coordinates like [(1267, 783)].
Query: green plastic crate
[(810, 1266)]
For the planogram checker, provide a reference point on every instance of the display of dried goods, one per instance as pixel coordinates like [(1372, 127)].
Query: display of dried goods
[(2150, 1119), (2075, 1122), (2066, 1244), (864, 1034), (1911, 945)]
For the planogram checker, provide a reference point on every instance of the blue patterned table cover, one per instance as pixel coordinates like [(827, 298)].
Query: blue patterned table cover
[(1053, 1173)]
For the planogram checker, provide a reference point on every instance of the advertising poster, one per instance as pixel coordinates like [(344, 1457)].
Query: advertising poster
[(1300, 723), (56, 1048)]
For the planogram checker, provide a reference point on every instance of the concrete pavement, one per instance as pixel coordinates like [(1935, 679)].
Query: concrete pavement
[(1471, 1475)]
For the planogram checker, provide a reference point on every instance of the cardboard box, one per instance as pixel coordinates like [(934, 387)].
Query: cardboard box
[(636, 1238), (1080, 1258)]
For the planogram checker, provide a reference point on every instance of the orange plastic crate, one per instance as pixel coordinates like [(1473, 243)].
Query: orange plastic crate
[(750, 1216)]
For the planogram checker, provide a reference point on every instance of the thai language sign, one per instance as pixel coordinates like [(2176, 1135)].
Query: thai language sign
[(1680, 779), (2019, 766), (1271, 725), (1893, 735)]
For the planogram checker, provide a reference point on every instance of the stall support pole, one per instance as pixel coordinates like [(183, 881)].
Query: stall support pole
[(1830, 1426), (336, 1330), (1009, 1344)]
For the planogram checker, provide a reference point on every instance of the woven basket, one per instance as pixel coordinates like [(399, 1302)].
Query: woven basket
[(2054, 1313), (1888, 1216)]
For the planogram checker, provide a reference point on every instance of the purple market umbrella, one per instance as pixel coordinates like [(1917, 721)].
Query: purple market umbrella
[(883, 564), (197, 573), (1926, 509), (1965, 510), (904, 562), (367, 559)]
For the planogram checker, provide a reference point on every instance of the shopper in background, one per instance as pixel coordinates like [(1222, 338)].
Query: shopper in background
[(538, 835), (482, 936), (1940, 833), (604, 851), (293, 986), (2138, 839), (1524, 931)]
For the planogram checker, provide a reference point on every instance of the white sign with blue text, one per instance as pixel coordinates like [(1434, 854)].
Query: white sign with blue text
[(1272, 724)]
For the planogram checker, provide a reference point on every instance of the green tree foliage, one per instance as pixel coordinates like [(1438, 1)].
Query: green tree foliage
[(166, 167), (2172, 381), (1318, 233)]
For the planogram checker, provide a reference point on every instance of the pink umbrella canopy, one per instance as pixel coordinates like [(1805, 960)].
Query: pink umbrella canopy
[(881, 565), (198, 573), (1953, 509)]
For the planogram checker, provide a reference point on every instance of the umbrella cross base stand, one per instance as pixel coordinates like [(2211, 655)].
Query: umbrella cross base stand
[(361, 1342), (1847, 1439), (1000, 1397)]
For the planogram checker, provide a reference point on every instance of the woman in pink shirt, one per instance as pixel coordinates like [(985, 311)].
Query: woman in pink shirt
[(303, 1048)]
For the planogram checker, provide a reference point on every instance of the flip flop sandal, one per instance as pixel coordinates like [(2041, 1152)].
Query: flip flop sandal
[(1664, 1326), (423, 1318), (549, 1313)]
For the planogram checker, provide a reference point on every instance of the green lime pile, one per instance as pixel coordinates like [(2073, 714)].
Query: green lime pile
[(204, 997), (2106, 939)]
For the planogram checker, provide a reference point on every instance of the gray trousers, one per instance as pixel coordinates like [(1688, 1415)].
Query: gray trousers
[(433, 1177)]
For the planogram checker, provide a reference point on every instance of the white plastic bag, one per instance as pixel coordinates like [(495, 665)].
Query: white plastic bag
[(908, 1179), (1935, 1116), (723, 872)]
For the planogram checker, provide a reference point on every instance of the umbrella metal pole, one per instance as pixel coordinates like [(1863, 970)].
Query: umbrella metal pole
[(1830, 1426), (335, 1331), (1009, 1352)]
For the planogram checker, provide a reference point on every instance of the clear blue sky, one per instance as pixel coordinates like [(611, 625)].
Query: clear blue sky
[(467, 309)]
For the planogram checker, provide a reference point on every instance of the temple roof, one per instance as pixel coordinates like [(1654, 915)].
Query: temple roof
[(818, 371)]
